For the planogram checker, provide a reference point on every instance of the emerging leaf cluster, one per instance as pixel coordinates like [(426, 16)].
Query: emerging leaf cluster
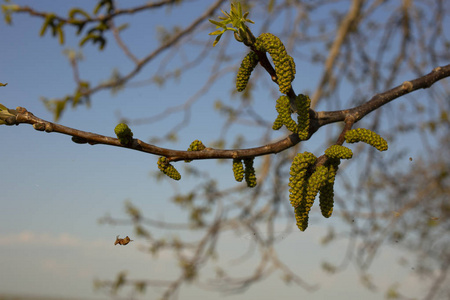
[(7, 10), (237, 20)]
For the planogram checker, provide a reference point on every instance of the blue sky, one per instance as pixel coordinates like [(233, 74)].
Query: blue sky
[(54, 191)]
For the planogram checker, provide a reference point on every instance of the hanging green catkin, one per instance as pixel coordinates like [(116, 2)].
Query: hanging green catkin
[(282, 107), (301, 218), (303, 103), (315, 182), (299, 177), (337, 151), (367, 136), (284, 64), (165, 167), (299, 184), (284, 115), (245, 70), (249, 173), (326, 197), (238, 170)]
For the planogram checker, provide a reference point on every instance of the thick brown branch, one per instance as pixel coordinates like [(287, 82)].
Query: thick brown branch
[(318, 119), (24, 116)]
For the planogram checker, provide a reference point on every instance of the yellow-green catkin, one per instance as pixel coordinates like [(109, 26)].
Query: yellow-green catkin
[(245, 70), (282, 107), (165, 167), (238, 170), (284, 64), (326, 197), (301, 218), (249, 172), (315, 182), (196, 145), (303, 103), (366, 136), (299, 177), (284, 115), (338, 151), (124, 134), (298, 187)]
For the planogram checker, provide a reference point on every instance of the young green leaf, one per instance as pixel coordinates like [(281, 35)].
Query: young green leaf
[(217, 32), (217, 40), (218, 24)]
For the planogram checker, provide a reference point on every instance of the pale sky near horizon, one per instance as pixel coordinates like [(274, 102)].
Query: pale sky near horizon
[(54, 191)]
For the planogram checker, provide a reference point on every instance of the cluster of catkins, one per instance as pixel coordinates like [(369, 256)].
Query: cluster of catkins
[(165, 167), (285, 71), (307, 179), (301, 127), (284, 64), (249, 172)]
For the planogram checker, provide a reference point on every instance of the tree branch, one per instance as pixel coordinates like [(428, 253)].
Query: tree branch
[(318, 119), (139, 64), (381, 99), (101, 17)]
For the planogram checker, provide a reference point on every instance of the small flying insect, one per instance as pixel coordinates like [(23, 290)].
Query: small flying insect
[(124, 241)]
